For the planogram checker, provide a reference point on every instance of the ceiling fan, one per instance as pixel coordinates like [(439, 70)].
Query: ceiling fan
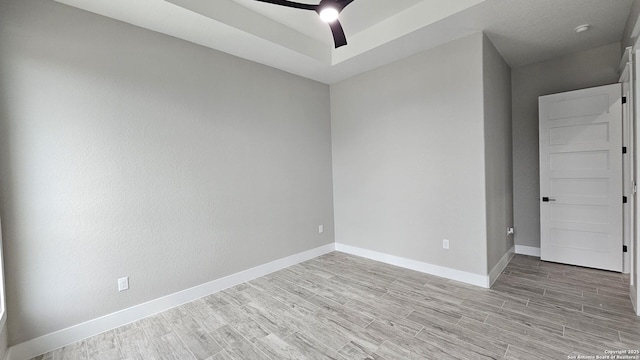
[(328, 10)]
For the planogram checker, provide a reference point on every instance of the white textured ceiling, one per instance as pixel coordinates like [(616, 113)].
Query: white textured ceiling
[(378, 31), (529, 31)]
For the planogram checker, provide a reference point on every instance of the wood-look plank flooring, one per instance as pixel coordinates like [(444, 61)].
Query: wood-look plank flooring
[(344, 307)]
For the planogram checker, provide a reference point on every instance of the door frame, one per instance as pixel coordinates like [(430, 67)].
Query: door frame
[(634, 66), (629, 68), (628, 170)]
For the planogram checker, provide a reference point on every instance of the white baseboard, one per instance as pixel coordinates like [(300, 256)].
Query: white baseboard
[(58, 339), (497, 270), (528, 250), (441, 271)]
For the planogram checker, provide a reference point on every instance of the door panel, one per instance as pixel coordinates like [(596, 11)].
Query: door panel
[(579, 160), (580, 107), (579, 134), (581, 177), (579, 213)]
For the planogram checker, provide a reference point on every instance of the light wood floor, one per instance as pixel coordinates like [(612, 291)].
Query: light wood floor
[(344, 307)]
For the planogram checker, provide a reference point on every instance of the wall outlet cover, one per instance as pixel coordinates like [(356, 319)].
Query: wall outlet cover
[(123, 284)]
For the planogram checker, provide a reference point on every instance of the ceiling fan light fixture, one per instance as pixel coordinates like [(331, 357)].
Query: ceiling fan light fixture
[(329, 14), (329, 11)]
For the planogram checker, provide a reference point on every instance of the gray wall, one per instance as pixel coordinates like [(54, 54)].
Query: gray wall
[(634, 13), (498, 152), (126, 152), (3, 341), (408, 157), (576, 71)]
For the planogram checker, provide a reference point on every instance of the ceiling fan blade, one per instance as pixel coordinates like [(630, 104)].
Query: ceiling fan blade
[(343, 3), (291, 4), (339, 38)]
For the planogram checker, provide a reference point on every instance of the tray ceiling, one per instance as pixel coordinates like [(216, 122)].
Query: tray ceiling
[(378, 31)]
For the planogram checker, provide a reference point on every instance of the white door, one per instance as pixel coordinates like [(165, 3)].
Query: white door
[(581, 177)]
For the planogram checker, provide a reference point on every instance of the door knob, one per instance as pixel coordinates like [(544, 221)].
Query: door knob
[(547, 199)]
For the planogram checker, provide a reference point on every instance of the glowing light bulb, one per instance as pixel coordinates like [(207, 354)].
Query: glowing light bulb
[(329, 14)]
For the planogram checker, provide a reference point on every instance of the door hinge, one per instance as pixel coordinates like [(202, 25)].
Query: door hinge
[(624, 149), (624, 248), (624, 99), (624, 199)]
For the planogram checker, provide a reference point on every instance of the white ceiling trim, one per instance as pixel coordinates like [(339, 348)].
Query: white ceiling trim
[(229, 27), (167, 18), (241, 18), (415, 18)]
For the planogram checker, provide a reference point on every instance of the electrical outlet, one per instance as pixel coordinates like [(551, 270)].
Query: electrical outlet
[(445, 244), (123, 284), (320, 229)]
